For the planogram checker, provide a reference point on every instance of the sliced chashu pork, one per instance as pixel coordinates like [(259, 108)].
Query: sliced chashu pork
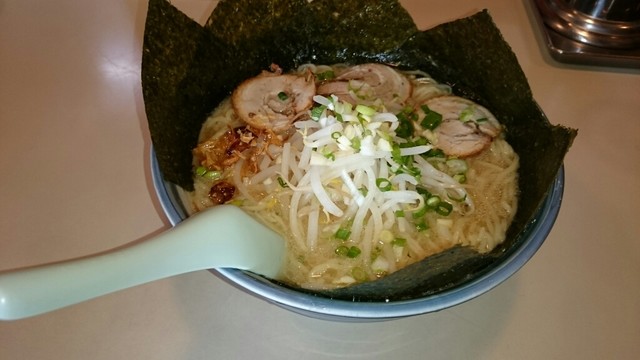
[(466, 129), (368, 82), (273, 100)]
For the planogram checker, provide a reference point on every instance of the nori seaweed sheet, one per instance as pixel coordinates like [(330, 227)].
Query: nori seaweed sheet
[(187, 69)]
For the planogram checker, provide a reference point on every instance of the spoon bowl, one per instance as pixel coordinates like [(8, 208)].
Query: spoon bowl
[(221, 237)]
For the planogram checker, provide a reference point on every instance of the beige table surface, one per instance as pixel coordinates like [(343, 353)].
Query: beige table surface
[(74, 166)]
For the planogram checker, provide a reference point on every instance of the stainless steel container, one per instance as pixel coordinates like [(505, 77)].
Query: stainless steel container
[(595, 32), (613, 10)]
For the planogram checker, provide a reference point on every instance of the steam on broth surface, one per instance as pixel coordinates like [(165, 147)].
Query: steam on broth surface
[(364, 169)]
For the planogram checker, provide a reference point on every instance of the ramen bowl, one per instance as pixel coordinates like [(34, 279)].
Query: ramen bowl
[(173, 203), (183, 81)]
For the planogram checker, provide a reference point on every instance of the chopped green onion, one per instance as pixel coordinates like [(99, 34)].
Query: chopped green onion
[(422, 191), (467, 113), (482, 120), (350, 252), (336, 135), (364, 191), (408, 112), (342, 250), (420, 212), (395, 154), (213, 175), (353, 252), (405, 162), (431, 119), (383, 184), (385, 135), (282, 182), (365, 110), (421, 141), (317, 111), (444, 208), (399, 213), (413, 171), (359, 274), (208, 174), (355, 143), (330, 155), (375, 253), (433, 201), (460, 178), (434, 153), (326, 75), (405, 126), (399, 242), (422, 225), (343, 234), (386, 236), (283, 96), (457, 166)]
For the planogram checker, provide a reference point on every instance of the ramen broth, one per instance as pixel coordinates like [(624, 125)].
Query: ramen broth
[(358, 182)]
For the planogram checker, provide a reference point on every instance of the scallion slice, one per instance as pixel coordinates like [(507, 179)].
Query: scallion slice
[(317, 111), (355, 143), (433, 201), (431, 119), (405, 126), (460, 178), (282, 183), (213, 175), (353, 252), (420, 212), (325, 75), (343, 234), (457, 166), (359, 274), (330, 155), (422, 225), (365, 110), (342, 250), (444, 208), (383, 184)]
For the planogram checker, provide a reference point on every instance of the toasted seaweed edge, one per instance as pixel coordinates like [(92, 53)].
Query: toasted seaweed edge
[(469, 67), (171, 41)]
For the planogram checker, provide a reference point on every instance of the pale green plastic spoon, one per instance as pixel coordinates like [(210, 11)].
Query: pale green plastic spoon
[(223, 236)]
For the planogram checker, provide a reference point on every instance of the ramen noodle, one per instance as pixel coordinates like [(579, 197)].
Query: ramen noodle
[(364, 169)]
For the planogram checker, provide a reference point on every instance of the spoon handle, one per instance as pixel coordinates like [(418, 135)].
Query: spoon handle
[(220, 237)]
